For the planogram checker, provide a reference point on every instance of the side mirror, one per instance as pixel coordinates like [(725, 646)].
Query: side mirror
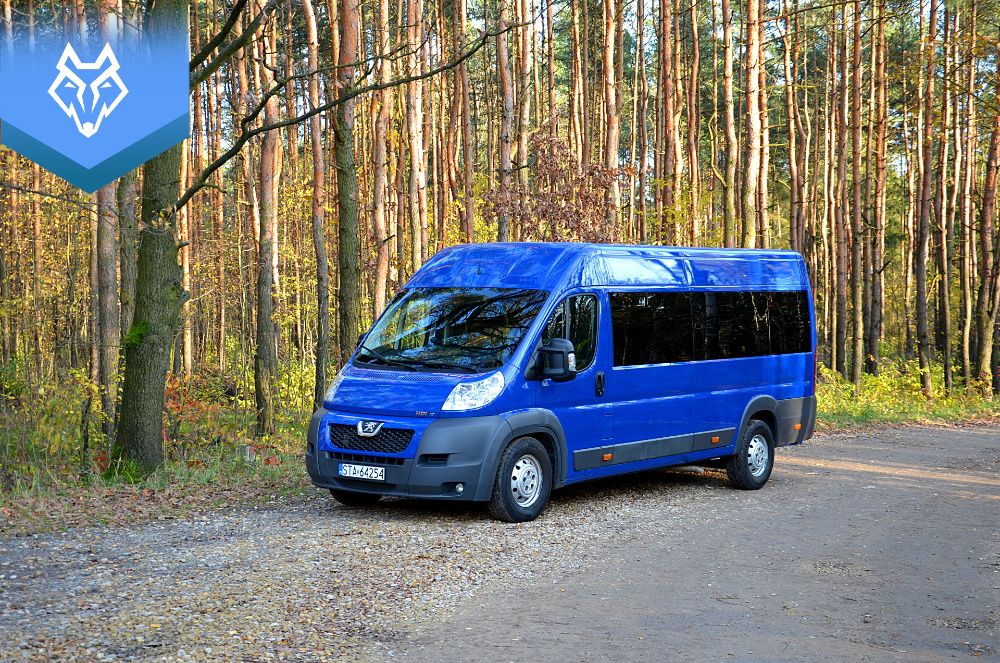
[(557, 360)]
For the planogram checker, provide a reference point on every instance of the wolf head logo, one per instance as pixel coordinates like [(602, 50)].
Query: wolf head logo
[(88, 91)]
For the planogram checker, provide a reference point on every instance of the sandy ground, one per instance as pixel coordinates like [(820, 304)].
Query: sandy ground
[(861, 548)]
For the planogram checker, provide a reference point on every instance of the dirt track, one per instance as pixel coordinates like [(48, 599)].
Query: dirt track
[(882, 546), (868, 547)]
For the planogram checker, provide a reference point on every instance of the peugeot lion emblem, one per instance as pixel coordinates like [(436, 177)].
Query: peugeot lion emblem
[(369, 428)]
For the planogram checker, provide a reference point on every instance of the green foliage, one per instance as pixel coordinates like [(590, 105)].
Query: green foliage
[(44, 451), (124, 471), (42, 436), (12, 386), (894, 396), (51, 439), (136, 333)]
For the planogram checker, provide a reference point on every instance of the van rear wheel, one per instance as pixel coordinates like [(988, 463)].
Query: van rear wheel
[(750, 466), (347, 498), (523, 482)]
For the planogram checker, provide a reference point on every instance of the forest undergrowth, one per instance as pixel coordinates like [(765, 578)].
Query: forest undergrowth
[(56, 469)]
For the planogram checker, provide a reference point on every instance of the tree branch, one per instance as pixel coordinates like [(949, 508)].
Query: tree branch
[(198, 77), (246, 133), (216, 41)]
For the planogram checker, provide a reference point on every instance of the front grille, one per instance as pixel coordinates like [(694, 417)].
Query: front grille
[(362, 458), (388, 440)]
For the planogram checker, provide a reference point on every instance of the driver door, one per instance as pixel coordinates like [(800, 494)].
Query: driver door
[(580, 404)]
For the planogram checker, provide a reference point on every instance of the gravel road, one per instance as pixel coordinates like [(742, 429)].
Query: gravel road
[(863, 546)]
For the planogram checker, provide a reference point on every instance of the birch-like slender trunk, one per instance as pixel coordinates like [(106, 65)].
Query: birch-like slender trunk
[(608, 71), (728, 104), (923, 220), (505, 77), (857, 230), (752, 138)]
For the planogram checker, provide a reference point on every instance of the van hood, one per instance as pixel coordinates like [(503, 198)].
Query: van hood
[(390, 392)]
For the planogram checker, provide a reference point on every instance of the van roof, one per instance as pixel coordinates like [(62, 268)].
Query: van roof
[(558, 266)]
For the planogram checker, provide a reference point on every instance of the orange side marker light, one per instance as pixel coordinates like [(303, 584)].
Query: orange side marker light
[(608, 456), (798, 427), (715, 439)]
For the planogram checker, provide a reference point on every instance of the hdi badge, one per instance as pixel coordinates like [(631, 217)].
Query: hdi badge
[(92, 111)]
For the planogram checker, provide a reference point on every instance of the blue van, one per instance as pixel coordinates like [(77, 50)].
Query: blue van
[(503, 371)]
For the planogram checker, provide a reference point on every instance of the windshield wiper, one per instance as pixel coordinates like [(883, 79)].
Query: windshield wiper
[(441, 364), (444, 364), (385, 360)]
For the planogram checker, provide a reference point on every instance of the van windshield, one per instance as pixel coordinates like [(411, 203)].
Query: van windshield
[(466, 329)]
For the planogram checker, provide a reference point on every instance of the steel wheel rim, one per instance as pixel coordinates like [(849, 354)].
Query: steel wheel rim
[(526, 481), (758, 453)]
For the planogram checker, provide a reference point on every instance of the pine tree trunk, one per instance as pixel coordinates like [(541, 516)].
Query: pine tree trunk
[(941, 215), (880, 220), (923, 221), (728, 103), (265, 357), (968, 187), (506, 125), (668, 79), (468, 158), (840, 200), (753, 128), (349, 297), (989, 289), (108, 314), (318, 210), (857, 229), (611, 115), (414, 123), (693, 127)]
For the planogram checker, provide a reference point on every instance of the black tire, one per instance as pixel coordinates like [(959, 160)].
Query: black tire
[(741, 467), (526, 470), (348, 498)]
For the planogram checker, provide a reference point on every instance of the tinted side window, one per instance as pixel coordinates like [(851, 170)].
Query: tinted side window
[(576, 319), (667, 327), (740, 324), (657, 327), (788, 320)]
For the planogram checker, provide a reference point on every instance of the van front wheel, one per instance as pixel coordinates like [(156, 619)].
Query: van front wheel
[(750, 467), (523, 482)]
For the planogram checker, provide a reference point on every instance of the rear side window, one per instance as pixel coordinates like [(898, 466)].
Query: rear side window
[(670, 327), (576, 319), (788, 318)]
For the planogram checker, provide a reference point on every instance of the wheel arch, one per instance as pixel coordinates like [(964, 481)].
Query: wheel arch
[(544, 426), (763, 408)]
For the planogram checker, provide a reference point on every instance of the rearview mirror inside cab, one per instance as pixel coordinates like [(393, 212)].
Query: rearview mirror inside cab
[(558, 360)]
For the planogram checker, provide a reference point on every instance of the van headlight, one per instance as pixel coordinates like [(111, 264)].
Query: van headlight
[(332, 391), (472, 395)]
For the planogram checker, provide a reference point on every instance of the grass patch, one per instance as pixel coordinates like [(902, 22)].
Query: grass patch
[(894, 396)]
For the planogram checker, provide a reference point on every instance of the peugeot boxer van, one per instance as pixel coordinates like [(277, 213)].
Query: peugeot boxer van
[(503, 371)]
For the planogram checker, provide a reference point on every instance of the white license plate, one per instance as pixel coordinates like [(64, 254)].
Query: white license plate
[(362, 472)]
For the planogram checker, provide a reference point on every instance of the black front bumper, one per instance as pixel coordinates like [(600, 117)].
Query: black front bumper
[(449, 452)]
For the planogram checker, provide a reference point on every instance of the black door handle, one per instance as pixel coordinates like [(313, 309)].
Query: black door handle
[(599, 384)]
